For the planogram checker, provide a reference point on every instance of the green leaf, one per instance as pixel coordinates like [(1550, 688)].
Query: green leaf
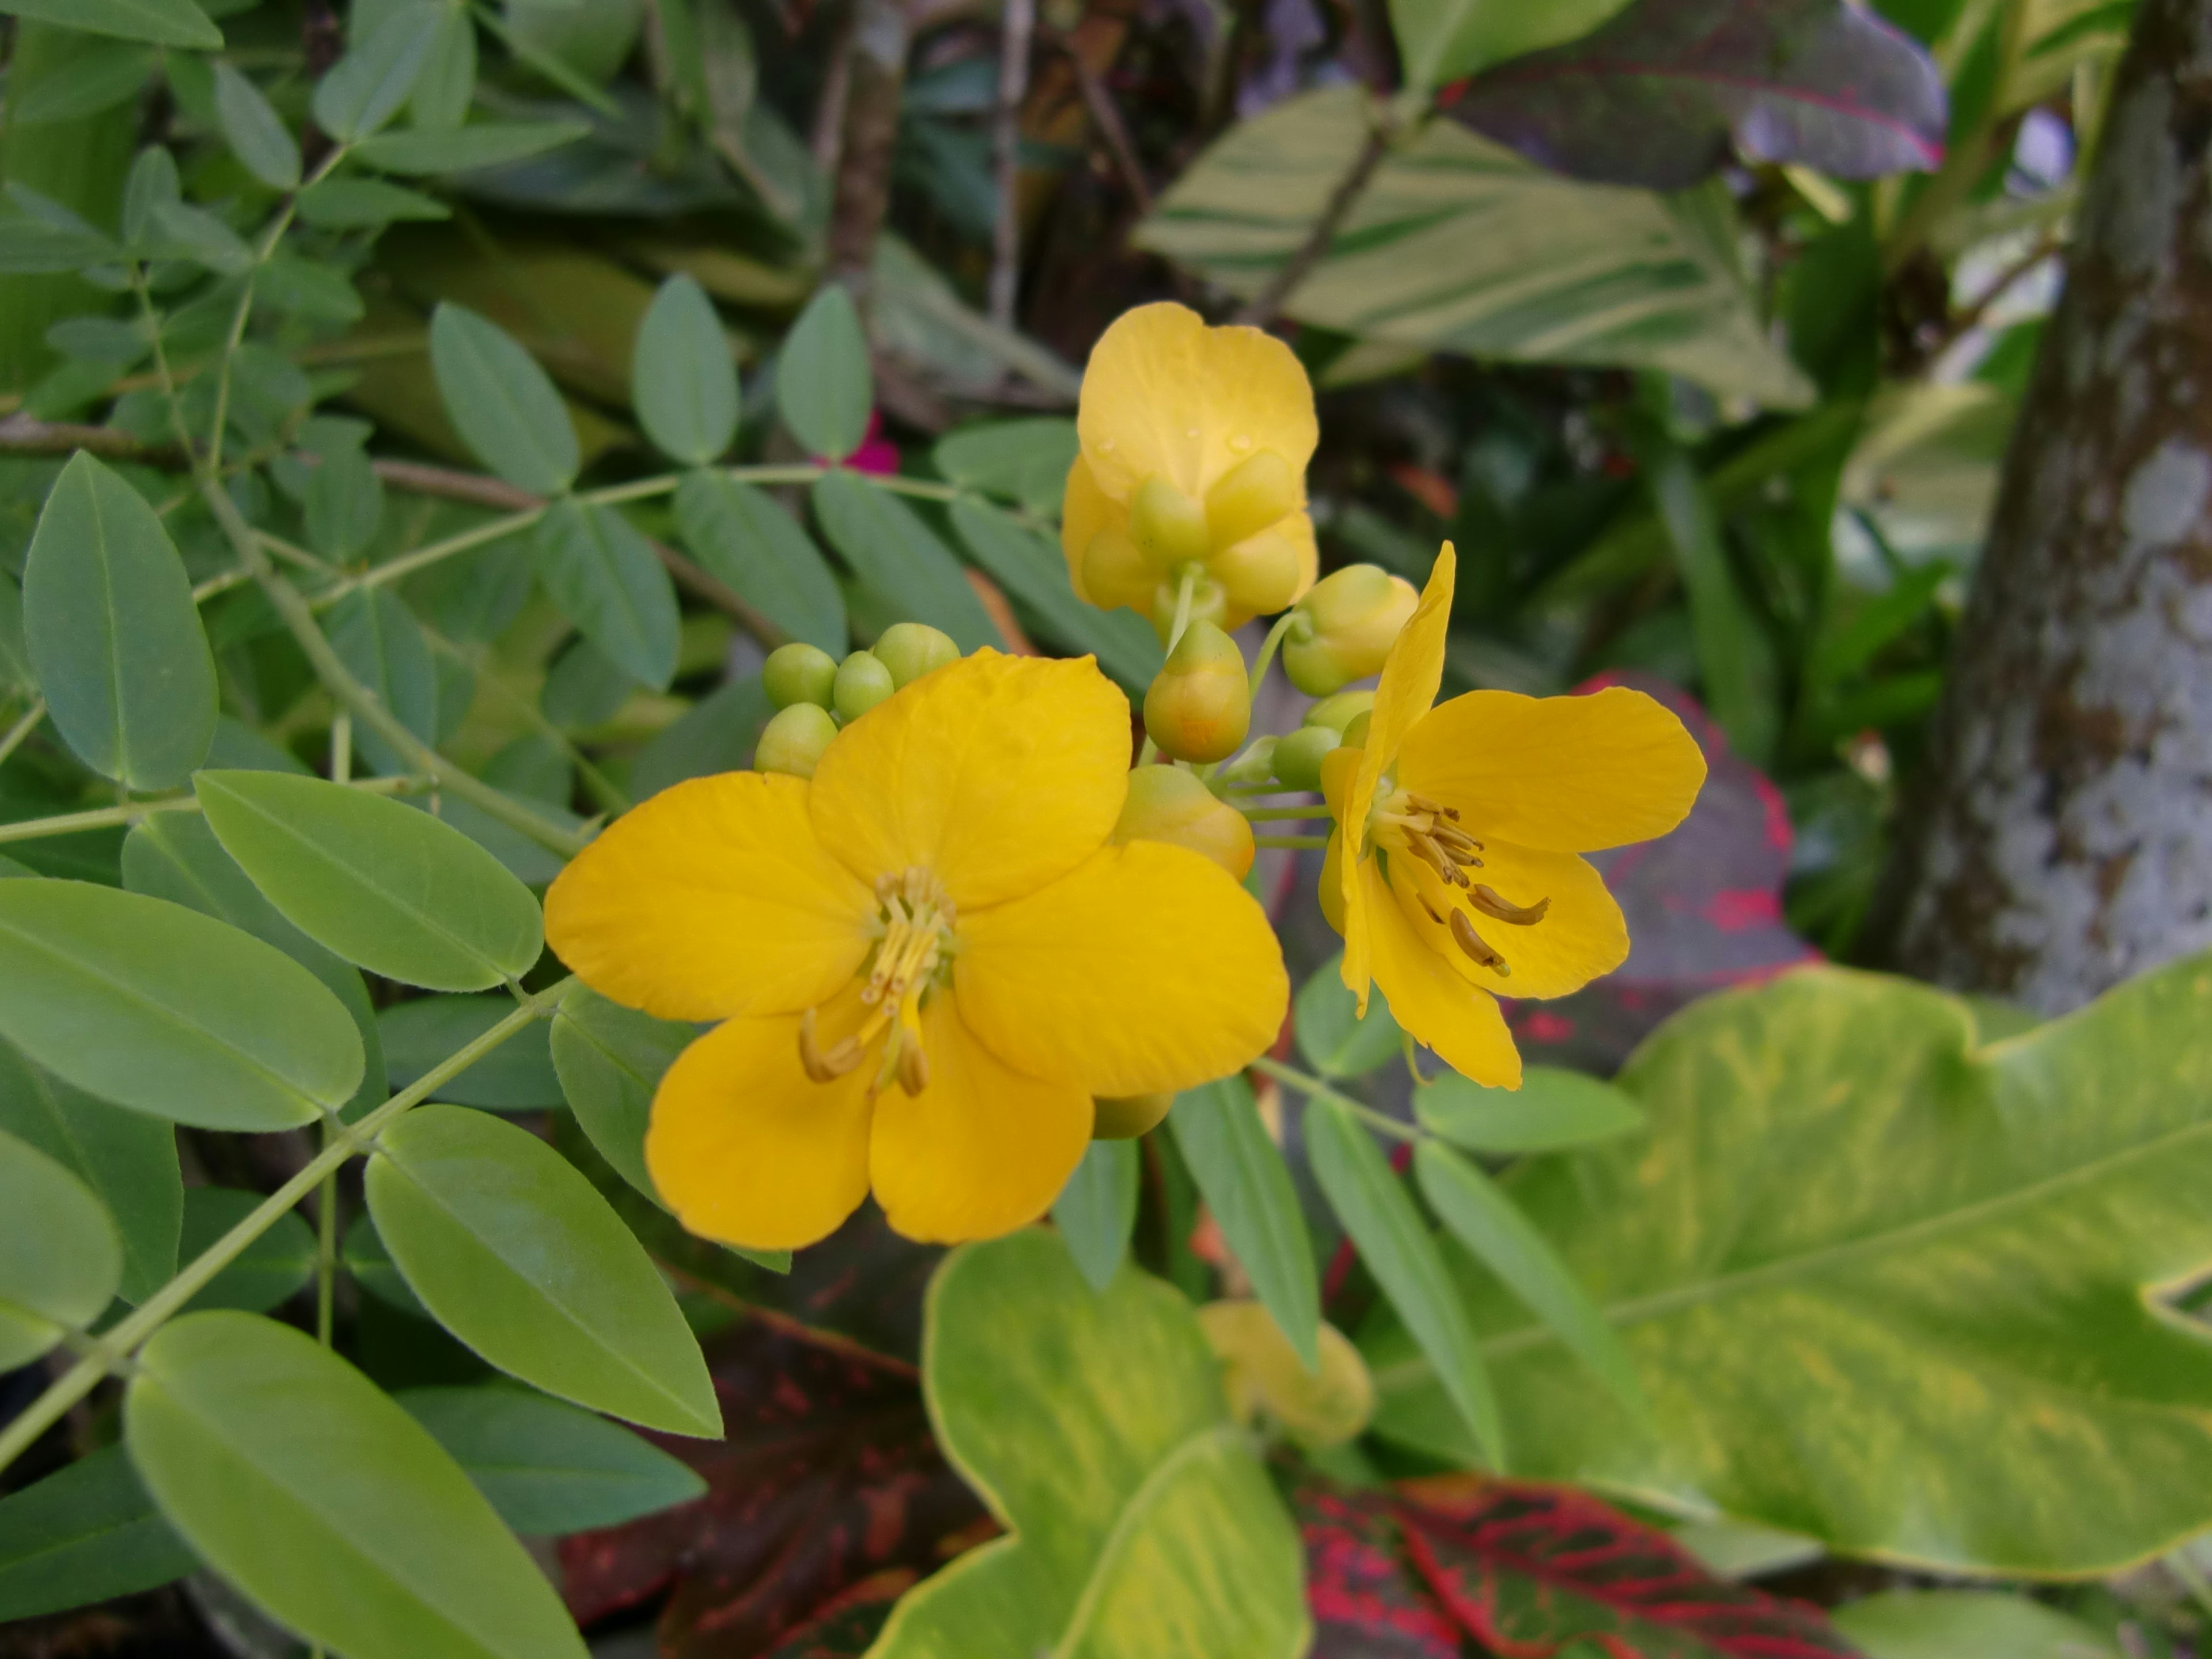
[(459, 150), (314, 1493), (1247, 1185), (516, 1254), (1395, 1246), (255, 132), (345, 503), (1964, 1623), (365, 88), (87, 1533), (1837, 1168), (1097, 1211), (153, 1007), (175, 856), (502, 403), (447, 85), (374, 1269), (547, 1467), (160, 22), (1498, 1235), (683, 382), (1331, 1033), (611, 1059), (1025, 462), (1458, 245), (60, 1257), (718, 733), (894, 553), (385, 648), (1735, 662), (113, 634), (1553, 1107), (1031, 569), (747, 541), (606, 580), (363, 204), (126, 1159), (272, 1269), (824, 388), (381, 884), (517, 1076), (97, 79), (1096, 1427)]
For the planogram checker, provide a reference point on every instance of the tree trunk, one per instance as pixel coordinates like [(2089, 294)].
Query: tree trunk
[(2062, 837)]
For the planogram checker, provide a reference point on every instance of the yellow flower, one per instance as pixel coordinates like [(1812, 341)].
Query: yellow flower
[(1453, 873), (926, 960), (1195, 441)]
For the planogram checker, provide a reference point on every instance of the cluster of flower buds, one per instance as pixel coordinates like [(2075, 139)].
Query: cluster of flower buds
[(1234, 545), (815, 694), (1341, 631)]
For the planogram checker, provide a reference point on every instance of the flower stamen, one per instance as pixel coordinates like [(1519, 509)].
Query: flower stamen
[(825, 1065), (1487, 900), (1464, 936)]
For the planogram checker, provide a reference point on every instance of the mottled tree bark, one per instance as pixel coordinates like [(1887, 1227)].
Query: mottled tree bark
[(2062, 839)]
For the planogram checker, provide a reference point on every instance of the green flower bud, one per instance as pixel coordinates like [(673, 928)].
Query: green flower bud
[(1339, 711), (910, 650), (1208, 604), (1168, 524), (1114, 572), (1355, 730), (1259, 491), (1259, 574), (1200, 706), (1298, 756), (862, 683), (1166, 803), (793, 741), (1344, 629), (798, 673), (1128, 1118), (1256, 765)]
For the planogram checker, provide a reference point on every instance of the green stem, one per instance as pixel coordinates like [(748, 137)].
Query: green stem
[(1316, 1089), (1269, 646), (1263, 814), (603, 788), (105, 817), (23, 727), (127, 1336), (222, 584), (163, 377), (393, 569), (327, 1252), (1314, 842), (1185, 591), (299, 616), (1970, 156)]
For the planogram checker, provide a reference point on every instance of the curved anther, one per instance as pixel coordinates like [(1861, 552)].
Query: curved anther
[(1464, 936), (1487, 901)]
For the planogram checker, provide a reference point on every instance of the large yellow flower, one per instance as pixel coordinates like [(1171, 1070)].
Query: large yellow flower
[(1195, 441), (926, 961), (1453, 872)]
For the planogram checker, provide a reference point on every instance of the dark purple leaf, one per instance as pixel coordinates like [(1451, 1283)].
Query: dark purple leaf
[(848, 1626), (1703, 906), (1653, 98), (1465, 1565)]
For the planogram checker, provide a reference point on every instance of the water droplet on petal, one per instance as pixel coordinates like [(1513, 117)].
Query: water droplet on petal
[(1240, 442), (1191, 433), (1105, 443)]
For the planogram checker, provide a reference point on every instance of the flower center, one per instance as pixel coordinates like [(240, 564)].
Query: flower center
[(1403, 822), (912, 957)]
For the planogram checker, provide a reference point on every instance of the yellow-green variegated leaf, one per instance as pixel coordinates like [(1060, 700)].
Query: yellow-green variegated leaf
[(1886, 1286), (1459, 245), (1139, 1523)]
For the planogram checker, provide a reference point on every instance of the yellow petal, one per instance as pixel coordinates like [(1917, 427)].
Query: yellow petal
[(712, 899), (1147, 970), (1164, 394), (999, 774), (1411, 675), (983, 1149), (1331, 893), (1442, 1009), (746, 1148), (1085, 511), (1582, 935), (1570, 773)]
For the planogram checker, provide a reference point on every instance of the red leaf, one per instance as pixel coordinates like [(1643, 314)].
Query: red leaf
[(828, 1477), (848, 1626), (1527, 1571)]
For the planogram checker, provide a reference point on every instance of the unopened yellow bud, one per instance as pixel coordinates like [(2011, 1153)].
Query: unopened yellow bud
[(1346, 626), (911, 650), (863, 682), (1166, 803), (1355, 729), (1264, 1376), (1298, 756), (1259, 491), (1128, 1118), (1338, 769), (793, 741), (1114, 573), (1259, 574), (1208, 604), (1200, 705), (1337, 712), (1168, 524), (798, 673)]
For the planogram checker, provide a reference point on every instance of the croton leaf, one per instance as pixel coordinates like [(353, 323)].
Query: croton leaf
[(1654, 96), (848, 1626), (1461, 1565), (826, 1476), (1703, 906)]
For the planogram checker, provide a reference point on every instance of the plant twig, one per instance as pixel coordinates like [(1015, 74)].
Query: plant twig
[(23, 727), (1106, 116), (107, 817), (1017, 20), (1316, 1089), (1260, 309)]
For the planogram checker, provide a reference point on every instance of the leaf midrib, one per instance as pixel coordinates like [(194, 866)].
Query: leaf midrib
[(1132, 1513)]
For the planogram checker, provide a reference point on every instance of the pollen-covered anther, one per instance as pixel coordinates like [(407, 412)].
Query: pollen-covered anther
[(1464, 936), (1487, 901), (825, 1065)]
